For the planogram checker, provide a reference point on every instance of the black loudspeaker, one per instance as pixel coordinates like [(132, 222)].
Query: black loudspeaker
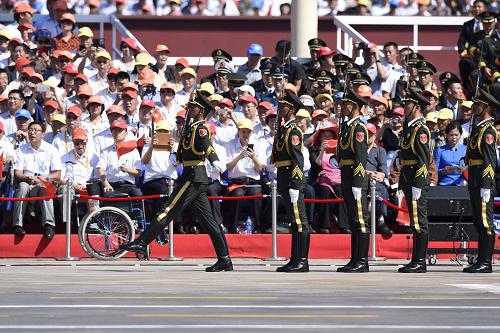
[(450, 214)]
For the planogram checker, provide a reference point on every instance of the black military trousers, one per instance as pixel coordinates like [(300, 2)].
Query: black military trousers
[(482, 212), (193, 195), (357, 210), (417, 209), (296, 212)]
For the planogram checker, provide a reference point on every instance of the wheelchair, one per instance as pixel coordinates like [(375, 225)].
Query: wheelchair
[(102, 231)]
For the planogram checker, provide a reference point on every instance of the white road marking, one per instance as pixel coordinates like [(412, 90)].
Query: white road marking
[(490, 288), (250, 327), (242, 306)]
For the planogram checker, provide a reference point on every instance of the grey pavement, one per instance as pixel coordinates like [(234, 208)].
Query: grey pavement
[(138, 296)]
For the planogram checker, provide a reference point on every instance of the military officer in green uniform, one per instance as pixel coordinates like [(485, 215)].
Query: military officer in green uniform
[(414, 180), (353, 154), (191, 187), (288, 159), (482, 160)]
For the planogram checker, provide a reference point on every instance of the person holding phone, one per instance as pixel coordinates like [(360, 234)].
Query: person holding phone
[(448, 157)]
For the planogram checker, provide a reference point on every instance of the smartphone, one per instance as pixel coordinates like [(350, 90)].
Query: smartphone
[(250, 146), (42, 88), (98, 42)]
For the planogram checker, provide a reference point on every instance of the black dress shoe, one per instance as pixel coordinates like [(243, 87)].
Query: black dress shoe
[(286, 267), (300, 266), (348, 266), (134, 246), (49, 231), (482, 267), (416, 266), (222, 264), (19, 231), (360, 266)]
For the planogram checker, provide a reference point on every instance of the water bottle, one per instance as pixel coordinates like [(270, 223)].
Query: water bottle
[(248, 226)]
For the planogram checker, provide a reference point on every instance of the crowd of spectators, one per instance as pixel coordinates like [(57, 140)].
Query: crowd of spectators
[(69, 111), (256, 7)]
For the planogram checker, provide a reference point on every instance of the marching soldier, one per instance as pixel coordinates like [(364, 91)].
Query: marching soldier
[(482, 161), (353, 154), (289, 161), (414, 158), (191, 189)]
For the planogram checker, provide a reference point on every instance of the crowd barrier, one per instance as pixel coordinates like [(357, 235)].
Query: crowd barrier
[(69, 196)]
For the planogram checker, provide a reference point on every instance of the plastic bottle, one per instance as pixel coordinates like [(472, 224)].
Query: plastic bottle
[(248, 226)]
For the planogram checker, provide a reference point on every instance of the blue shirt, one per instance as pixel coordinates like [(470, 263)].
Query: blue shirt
[(447, 156)]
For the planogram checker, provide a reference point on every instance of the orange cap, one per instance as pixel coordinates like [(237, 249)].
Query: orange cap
[(75, 109), (85, 90), (24, 7), (68, 17), (162, 47), (53, 104), (181, 113), (147, 76), (95, 100), (79, 134), (115, 109), (130, 86)]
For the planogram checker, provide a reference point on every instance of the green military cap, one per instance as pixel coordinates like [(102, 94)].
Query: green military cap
[(425, 66), (353, 68), (265, 65), (236, 80), (197, 98), (445, 76), (485, 98), (416, 97), (316, 43), (341, 60), (361, 78), (351, 96), (291, 99), (321, 75), (220, 54), (414, 58), (310, 73), (488, 17), (415, 85), (278, 71)]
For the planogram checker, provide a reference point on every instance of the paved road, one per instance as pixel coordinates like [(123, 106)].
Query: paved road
[(132, 296)]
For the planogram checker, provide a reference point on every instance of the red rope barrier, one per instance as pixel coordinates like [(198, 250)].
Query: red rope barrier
[(157, 196), (394, 206), (47, 197), (248, 197), (324, 200), (497, 203)]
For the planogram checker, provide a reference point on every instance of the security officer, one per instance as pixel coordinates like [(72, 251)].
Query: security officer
[(315, 44), (191, 188), (353, 155), (414, 158), (288, 159), (482, 161)]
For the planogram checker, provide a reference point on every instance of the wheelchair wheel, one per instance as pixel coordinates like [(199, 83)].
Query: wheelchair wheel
[(103, 231)]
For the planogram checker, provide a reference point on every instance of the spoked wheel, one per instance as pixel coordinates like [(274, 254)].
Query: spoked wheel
[(103, 231)]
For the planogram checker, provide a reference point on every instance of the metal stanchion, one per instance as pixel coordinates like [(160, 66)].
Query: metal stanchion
[(274, 212), (68, 195), (373, 218), (171, 256)]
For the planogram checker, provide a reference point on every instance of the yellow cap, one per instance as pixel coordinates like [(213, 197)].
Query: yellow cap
[(445, 113), (51, 82), (163, 125), (142, 59), (85, 32), (245, 123), (189, 71), (5, 33), (215, 97), (327, 96), (303, 113), (432, 117), (58, 117), (208, 87), (103, 54), (467, 104)]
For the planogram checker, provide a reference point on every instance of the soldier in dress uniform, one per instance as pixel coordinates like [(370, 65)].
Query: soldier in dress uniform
[(481, 159), (191, 187), (414, 159), (426, 71), (288, 159), (353, 154), (315, 44)]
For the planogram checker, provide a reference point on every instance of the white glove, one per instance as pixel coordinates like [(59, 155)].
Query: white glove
[(485, 194), (415, 193), (219, 166), (397, 162), (294, 195), (356, 191)]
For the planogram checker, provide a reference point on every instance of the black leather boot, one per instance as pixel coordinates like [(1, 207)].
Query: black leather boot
[(302, 264), (484, 266), (147, 236), (418, 265), (223, 260), (361, 264), (480, 254), (383, 228), (294, 256), (354, 253), (413, 255)]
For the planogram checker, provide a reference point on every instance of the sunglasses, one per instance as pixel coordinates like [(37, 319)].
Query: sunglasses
[(71, 116), (84, 97), (79, 143), (102, 61), (166, 91)]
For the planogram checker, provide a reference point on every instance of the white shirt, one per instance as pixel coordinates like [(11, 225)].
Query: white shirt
[(105, 139), (42, 161), (7, 150), (9, 123), (224, 134), (181, 97), (98, 83), (80, 168), (260, 130), (110, 163), (212, 172), (159, 166), (245, 167), (64, 143), (145, 130)]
